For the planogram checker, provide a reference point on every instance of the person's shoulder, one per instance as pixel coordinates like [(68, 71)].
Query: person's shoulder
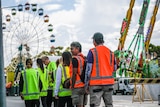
[(74, 59), (106, 48), (33, 70), (52, 63), (92, 49), (60, 66)]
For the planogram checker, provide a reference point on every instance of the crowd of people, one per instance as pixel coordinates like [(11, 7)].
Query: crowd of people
[(46, 82)]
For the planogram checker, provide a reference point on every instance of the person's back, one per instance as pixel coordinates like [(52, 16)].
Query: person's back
[(51, 71), (43, 77), (29, 85), (99, 73), (51, 75), (103, 55)]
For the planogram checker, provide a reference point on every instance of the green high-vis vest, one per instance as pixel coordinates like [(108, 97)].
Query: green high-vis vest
[(51, 68), (65, 74), (31, 84), (44, 80)]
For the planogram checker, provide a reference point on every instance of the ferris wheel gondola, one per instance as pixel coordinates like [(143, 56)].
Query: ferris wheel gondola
[(25, 26)]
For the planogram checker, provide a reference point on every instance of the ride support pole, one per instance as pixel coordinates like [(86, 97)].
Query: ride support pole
[(2, 78)]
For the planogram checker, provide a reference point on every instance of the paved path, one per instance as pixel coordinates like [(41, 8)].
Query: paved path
[(118, 101)]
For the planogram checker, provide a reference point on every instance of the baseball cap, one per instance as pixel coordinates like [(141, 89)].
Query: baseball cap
[(98, 37)]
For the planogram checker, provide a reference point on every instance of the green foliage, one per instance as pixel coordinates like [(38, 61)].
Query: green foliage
[(59, 50), (67, 49), (153, 48)]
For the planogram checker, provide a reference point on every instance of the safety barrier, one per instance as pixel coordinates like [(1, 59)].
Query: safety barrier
[(144, 81)]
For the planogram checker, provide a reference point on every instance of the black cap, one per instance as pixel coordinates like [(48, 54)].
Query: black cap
[(98, 37)]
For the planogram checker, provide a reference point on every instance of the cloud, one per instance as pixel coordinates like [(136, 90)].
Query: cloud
[(86, 17), (91, 16), (67, 16), (33, 1), (52, 7)]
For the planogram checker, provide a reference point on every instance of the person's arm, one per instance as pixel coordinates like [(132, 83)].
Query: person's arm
[(40, 85), (54, 67), (115, 64), (58, 81), (88, 73), (88, 68), (74, 70), (21, 82)]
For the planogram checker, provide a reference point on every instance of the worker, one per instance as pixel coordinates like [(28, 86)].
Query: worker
[(43, 77), (79, 98), (99, 73), (8, 88), (30, 85), (51, 74), (63, 73)]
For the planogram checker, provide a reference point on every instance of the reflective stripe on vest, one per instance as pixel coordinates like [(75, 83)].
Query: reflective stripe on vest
[(110, 58), (27, 94), (64, 73), (25, 78), (44, 91), (78, 82), (98, 77), (81, 68)]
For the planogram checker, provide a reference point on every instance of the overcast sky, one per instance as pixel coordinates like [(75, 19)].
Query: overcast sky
[(78, 20)]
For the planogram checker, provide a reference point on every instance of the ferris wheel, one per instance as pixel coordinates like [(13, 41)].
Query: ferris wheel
[(26, 32)]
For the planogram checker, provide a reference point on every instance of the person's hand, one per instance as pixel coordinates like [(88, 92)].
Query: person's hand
[(56, 97), (87, 90), (21, 95), (50, 73), (51, 81)]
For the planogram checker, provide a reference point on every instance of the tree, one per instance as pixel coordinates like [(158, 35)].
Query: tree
[(153, 48)]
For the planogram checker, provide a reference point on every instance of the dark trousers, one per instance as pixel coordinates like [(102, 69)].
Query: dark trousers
[(32, 103), (8, 91), (16, 90), (44, 101), (65, 100), (49, 98)]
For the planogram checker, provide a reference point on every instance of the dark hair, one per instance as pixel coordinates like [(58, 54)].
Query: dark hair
[(77, 45), (29, 61), (40, 62), (57, 62), (66, 58), (98, 37)]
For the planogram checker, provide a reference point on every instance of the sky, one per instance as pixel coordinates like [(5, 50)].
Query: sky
[(78, 20)]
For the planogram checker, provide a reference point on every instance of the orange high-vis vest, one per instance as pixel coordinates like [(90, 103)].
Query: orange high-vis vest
[(80, 59), (103, 66)]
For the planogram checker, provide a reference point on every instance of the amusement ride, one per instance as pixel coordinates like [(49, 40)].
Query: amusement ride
[(27, 31)]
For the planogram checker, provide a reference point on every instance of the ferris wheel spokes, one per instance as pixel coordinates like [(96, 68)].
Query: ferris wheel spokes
[(28, 27)]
